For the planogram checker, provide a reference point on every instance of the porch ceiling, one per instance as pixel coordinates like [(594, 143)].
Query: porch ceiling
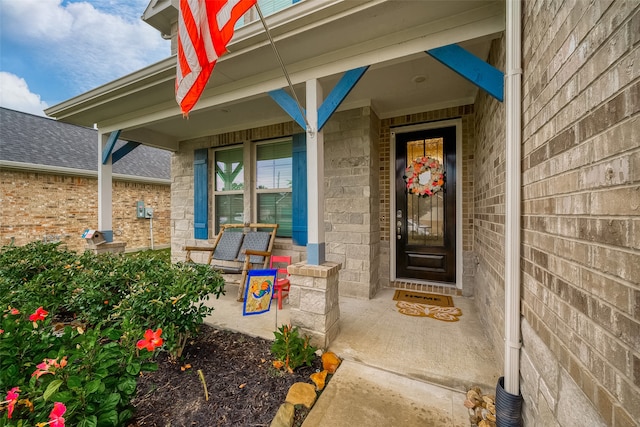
[(316, 39)]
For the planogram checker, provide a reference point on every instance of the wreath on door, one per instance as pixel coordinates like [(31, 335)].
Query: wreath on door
[(424, 176)]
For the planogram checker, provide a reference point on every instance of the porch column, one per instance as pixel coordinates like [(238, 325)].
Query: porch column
[(315, 177), (105, 216)]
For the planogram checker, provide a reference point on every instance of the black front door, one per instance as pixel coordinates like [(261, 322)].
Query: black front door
[(425, 227)]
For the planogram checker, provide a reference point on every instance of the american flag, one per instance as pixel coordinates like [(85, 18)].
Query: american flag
[(204, 30)]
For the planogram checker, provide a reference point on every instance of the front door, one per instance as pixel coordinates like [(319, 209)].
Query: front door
[(425, 228)]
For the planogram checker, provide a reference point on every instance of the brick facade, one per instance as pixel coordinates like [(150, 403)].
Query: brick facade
[(51, 207), (580, 253)]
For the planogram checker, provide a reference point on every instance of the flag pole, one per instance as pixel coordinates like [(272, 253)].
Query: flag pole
[(286, 74)]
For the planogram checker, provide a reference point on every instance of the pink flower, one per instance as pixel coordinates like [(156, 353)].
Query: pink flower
[(55, 417), (43, 368), (40, 314), (14, 311), (151, 340), (1, 331), (12, 398), (46, 366)]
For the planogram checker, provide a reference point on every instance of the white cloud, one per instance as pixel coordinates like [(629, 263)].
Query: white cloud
[(80, 44), (15, 94)]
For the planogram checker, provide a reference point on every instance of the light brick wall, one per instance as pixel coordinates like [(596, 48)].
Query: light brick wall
[(581, 174), (580, 251), (488, 214), (351, 208), (45, 206)]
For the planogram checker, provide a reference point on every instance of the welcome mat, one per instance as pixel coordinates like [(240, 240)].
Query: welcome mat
[(423, 298), (419, 304)]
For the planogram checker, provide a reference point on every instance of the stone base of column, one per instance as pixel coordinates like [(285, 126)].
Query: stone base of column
[(313, 298), (107, 247)]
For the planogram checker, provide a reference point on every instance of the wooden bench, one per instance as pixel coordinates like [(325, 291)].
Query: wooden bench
[(239, 248)]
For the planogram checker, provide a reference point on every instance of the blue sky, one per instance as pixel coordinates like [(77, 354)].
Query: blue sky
[(53, 50)]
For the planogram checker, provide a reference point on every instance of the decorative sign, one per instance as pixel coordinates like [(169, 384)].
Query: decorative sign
[(258, 291)]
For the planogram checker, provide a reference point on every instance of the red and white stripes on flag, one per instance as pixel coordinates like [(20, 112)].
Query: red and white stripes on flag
[(204, 30)]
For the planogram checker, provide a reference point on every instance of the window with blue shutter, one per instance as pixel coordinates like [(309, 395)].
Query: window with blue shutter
[(299, 190), (201, 194)]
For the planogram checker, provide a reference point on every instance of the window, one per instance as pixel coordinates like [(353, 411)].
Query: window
[(229, 187), (269, 199), (273, 185)]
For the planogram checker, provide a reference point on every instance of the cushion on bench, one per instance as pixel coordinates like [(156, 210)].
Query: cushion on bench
[(256, 240), (228, 246)]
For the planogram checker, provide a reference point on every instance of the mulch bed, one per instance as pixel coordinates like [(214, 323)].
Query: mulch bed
[(244, 387)]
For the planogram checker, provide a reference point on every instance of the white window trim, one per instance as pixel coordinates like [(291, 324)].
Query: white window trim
[(254, 176), (214, 177)]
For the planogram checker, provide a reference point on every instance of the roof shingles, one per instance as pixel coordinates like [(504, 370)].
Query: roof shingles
[(26, 138)]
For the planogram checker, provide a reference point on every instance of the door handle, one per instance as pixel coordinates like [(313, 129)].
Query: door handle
[(399, 230)]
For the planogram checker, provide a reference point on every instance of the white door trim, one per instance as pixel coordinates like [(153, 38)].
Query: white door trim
[(392, 193)]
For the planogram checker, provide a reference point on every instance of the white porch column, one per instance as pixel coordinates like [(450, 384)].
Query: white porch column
[(315, 177), (105, 215)]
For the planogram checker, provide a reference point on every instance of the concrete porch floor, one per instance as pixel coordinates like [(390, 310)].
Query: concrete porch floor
[(397, 369)]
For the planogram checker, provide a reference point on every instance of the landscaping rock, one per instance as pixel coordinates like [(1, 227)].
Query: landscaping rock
[(284, 416), (330, 362), (319, 379), (482, 409), (302, 394)]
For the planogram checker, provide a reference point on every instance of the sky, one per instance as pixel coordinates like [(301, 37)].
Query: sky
[(53, 50)]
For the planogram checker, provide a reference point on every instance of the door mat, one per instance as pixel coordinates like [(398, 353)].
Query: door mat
[(419, 304), (423, 298)]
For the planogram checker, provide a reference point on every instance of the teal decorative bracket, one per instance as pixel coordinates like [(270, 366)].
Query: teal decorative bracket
[(123, 151), (472, 68), (111, 142), (289, 105), (329, 105), (338, 94)]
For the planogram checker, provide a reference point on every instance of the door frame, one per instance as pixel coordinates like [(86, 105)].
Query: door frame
[(392, 194)]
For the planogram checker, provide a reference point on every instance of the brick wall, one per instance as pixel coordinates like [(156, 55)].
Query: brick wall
[(351, 208), (580, 251), (581, 176), (44, 206), (488, 213)]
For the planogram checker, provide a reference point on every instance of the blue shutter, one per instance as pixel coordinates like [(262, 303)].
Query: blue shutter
[(201, 194), (299, 189)]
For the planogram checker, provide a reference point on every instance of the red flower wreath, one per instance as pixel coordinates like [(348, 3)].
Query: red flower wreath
[(424, 176)]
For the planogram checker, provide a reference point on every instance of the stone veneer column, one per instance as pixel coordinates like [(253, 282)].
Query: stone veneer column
[(313, 298)]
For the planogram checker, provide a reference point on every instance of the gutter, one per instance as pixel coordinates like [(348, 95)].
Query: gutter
[(508, 398), (61, 170), (513, 197)]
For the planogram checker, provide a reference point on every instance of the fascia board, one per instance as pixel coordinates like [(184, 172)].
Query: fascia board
[(60, 170)]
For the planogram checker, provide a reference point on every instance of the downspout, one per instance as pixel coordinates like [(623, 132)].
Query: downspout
[(508, 397)]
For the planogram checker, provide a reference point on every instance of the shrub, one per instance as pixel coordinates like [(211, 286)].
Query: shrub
[(70, 324), (172, 299), (290, 350)]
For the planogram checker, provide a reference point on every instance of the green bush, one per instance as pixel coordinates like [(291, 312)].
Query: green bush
[(290, 349), (92, 372), (71, 326)]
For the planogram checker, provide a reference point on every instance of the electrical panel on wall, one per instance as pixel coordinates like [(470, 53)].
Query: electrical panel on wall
[(140, 209)]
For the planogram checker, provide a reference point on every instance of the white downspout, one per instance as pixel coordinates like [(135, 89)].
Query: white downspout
[(513, 133)]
